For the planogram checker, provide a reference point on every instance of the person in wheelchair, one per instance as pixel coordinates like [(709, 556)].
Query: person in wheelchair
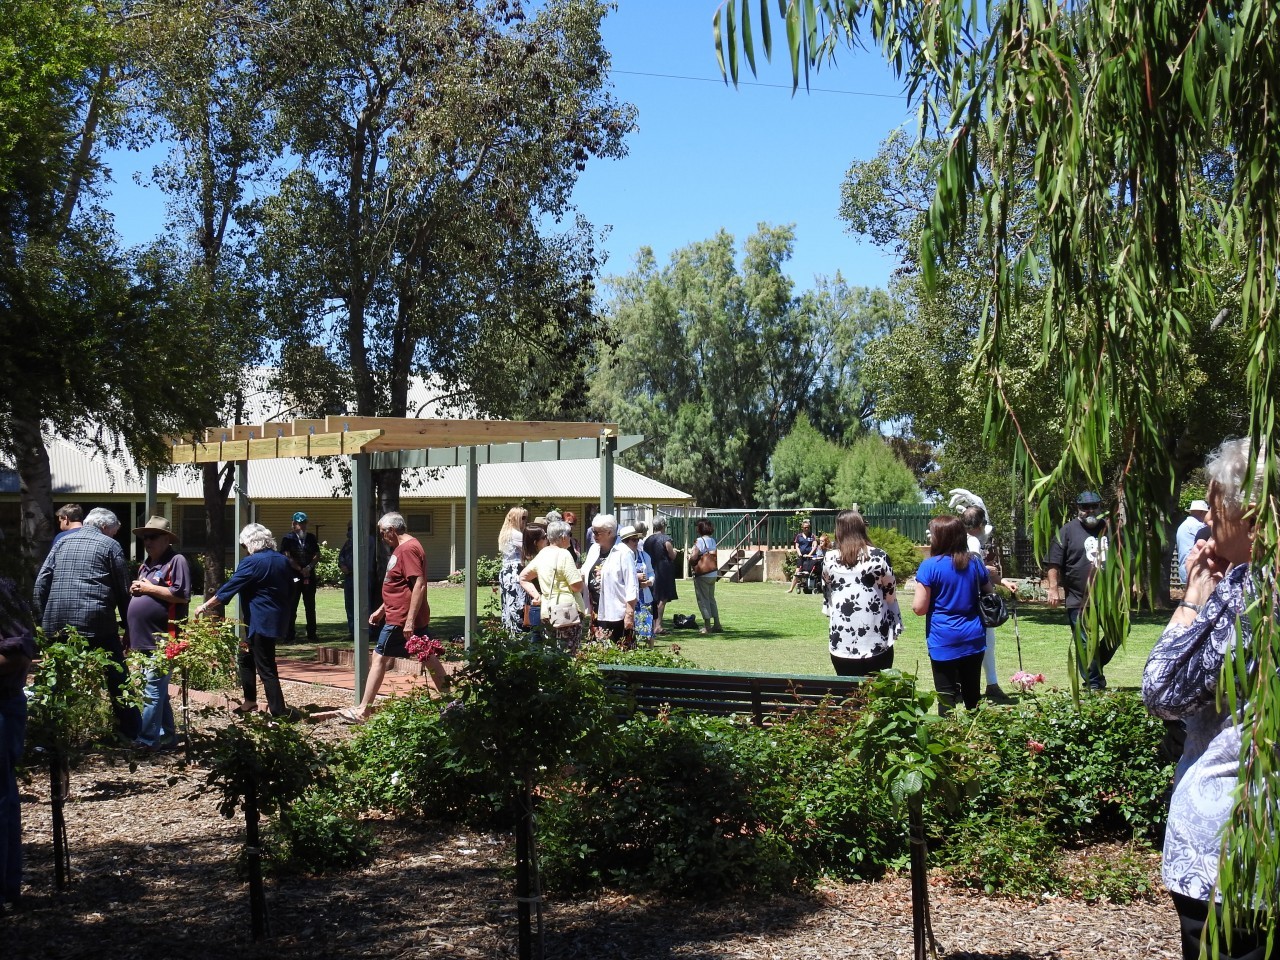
[(813, 575)]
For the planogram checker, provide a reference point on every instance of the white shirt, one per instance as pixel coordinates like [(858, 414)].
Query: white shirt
[(618, 583)]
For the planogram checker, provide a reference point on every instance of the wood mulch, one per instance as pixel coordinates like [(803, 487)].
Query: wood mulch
[(154, 877)]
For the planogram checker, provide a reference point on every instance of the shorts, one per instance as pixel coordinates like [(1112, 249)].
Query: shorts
[(391, 641)]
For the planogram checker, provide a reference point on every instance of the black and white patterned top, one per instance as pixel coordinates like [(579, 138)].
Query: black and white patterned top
[(863, 606), (1180, 682)]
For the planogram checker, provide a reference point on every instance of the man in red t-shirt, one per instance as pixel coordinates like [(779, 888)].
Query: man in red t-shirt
[(404, 613)]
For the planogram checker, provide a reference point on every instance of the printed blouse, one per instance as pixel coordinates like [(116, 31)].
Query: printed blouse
[(863, 606)]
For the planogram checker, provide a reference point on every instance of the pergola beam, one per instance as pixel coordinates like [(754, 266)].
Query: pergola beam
[(348, 443), (421, 434)]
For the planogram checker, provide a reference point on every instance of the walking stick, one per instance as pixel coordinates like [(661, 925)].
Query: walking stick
[(1017, 636)]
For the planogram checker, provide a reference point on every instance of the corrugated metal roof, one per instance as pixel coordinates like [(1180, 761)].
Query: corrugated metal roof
[(81, 472)]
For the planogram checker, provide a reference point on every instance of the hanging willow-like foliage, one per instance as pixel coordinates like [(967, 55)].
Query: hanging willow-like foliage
[(1101, 115)]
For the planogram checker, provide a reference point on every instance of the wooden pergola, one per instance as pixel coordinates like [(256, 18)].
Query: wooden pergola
[(380, 443)]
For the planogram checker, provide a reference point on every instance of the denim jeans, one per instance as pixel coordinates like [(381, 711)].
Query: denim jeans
[(13, 726), (157, 713)]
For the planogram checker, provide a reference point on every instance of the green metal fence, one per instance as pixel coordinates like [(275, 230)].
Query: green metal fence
[(777, 528)]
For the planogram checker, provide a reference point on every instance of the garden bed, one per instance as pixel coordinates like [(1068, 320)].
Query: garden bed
[(153, 869)]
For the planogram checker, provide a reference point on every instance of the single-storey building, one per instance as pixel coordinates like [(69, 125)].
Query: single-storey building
[(432, 500)]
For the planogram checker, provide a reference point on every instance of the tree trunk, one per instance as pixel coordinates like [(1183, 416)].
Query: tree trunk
[(35, 490), (216, 490)]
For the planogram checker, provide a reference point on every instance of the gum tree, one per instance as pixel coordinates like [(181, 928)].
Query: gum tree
[(428, 231), (1104, 117)]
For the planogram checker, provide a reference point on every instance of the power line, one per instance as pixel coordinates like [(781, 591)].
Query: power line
[(754, 83)]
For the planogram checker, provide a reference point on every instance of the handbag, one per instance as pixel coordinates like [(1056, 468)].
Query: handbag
[(992, 610), (706, 563), (563, 614)]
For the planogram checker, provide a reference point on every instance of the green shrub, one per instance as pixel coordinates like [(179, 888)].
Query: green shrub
[(790, 564), (1017, 856), (488, 571), (67, 695), (903, 555), (208, 659), (320, 831), (327, 572), (1100, 771), (676, 806), (639, 657), (403, 760), (832, 809), (262, 758), (1050, 773)]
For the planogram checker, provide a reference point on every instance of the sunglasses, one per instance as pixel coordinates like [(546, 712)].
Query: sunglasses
[(151, 536)]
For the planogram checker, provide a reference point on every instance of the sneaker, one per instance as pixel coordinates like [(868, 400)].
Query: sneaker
[(996, 695)]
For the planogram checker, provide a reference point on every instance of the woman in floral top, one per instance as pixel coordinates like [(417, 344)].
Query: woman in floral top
[(1180, 682), (865, 619)]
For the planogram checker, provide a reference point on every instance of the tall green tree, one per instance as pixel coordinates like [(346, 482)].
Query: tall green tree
[(1103, 116), (802, 468), (714, 357), (195, 86), (870, 472), (86, 349), (437, 140)]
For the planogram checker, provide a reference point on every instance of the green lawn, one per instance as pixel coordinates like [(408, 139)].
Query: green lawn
[(770, 631)]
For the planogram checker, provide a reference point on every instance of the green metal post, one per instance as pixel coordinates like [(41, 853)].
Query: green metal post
[(361, 561)]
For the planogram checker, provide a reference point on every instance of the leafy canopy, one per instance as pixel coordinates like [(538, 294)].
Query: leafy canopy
[(1104, 118)]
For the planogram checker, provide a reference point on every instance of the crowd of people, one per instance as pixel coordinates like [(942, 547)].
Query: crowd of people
[(616, 589)]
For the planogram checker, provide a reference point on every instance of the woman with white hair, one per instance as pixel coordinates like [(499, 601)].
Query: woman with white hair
[(1180, 682), (552, 580), (605, 528), (264, 579)]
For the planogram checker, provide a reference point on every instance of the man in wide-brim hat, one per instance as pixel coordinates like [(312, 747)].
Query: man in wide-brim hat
[(159, 600)]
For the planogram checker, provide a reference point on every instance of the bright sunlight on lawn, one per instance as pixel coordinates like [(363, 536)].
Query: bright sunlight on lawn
[(770, 631)]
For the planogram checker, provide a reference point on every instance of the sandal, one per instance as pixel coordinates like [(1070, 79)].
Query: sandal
[(249, 706), (351, 716)]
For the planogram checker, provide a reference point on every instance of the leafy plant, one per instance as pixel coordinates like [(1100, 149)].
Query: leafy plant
[(404, 759), (321, 831), (259, 760), (67, 697), (327, 572), (204, 654), (525, 707), (639, 657), (488, 571), (903, 556), (676, 805)]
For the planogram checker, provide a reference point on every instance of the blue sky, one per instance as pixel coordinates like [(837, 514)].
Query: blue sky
[(706, 155)]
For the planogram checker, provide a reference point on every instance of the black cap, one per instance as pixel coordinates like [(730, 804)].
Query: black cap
[(1088, 499)]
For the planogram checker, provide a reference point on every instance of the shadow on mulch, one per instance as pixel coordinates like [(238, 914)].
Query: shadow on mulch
[(186, 898)]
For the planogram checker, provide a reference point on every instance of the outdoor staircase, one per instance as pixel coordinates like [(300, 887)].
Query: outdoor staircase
[(739, 562)]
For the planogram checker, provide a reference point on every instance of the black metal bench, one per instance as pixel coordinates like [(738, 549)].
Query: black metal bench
[(648, 690)]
